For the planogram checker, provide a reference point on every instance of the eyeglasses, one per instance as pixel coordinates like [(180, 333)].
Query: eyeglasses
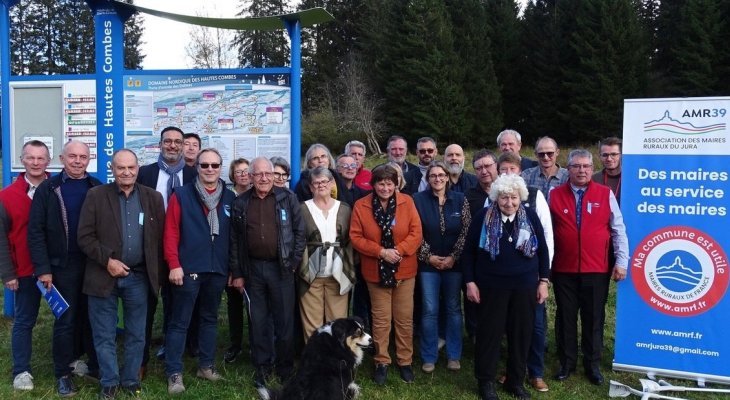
[(259, 175), (426, 151), (241, 172), (437, 176), (580, 166), (206, 165), (347, 166), (319, 157), (485, 167), (612, 155), (549, 154), (279, 176), (320, 183), (176, 142)]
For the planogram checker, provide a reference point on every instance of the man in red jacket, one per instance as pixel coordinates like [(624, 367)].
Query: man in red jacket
[(586, 218), (16, 268)]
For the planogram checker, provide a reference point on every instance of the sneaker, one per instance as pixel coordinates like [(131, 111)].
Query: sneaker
[(108, 392), (406, 373), (231, 354), (23, 381), (66, 386), (79, 368), (175, 384), (381, 374), (539, 384), (209, 373), (442, 343), (428, 367), (453, 365)]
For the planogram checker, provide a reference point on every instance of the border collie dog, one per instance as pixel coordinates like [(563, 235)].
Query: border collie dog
[(327, 366)]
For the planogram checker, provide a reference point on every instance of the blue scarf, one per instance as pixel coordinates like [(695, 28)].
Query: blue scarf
[(171, 170), (523, 236)]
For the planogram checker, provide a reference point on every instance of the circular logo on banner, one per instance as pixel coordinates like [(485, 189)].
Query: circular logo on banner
[(680, 271)]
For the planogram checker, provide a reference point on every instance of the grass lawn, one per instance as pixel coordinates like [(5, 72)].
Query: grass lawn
[(441, 384)]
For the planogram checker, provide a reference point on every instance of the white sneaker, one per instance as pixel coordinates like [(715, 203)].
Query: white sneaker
[(79, 368), (23, 381)]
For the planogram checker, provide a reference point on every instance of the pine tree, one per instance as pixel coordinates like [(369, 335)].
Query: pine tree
[(610, 44), (133, 31), (262, 48), (479, 85)]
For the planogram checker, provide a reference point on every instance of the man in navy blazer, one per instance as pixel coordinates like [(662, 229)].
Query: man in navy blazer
[(169, 172)]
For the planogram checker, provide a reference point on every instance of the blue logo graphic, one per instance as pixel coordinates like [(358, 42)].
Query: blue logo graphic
[(679, 271)]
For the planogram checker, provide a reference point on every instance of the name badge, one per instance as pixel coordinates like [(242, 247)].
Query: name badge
[(283, 215), (141, 219)]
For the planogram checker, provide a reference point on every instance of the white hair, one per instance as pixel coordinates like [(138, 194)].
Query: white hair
[(506, 132), (508, 183)]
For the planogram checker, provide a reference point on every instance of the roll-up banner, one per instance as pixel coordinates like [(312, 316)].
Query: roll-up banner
[(672, 310)]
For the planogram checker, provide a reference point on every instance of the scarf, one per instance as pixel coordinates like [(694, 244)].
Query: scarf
[(523, 235), (171, 170), (385, 219), (211, 203)]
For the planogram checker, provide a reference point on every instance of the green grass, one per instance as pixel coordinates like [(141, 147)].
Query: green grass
[(442, 384)]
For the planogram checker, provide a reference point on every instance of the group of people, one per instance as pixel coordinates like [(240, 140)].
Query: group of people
[(401, 244)]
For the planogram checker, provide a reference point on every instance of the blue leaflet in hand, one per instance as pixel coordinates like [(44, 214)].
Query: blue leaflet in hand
[(55, 300)]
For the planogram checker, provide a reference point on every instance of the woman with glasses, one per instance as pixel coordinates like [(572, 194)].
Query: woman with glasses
[(238, 174), (327, 271), (386, 232), (347, 170), (318, 156), (445, 218), (282, 171)]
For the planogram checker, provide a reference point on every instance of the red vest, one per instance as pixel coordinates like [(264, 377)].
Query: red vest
[(17, 205), (585, 251)]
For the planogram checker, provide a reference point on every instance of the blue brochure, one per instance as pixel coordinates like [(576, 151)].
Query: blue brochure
[(58, 304)]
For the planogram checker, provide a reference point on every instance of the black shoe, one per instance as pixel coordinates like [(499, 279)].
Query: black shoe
[(406, 373), (488, 392), (231, 354), (260, 378), (518, 392), (381, 374), (564, 373), (594, 376), (161, 353), (66, 387), (134, 390), (108, 392)]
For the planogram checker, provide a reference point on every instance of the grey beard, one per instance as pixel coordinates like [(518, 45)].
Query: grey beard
[(455, 169)]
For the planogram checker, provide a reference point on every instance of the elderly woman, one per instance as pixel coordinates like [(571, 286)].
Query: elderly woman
[(445, 220), (386, 231), (327, 272), (318, 155), (282, 171), (506, 267), (238, 174)]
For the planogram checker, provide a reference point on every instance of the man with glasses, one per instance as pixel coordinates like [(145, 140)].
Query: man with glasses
[(168, 173), (548, 174), (610, 175), (356, 149), (197, 226), (510, 141), (267, 244), (426, 151), (461, 181), (586, 219), (16, 269)]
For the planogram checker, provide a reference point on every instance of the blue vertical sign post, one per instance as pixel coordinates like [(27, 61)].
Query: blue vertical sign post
[(672, 310), (109, 39)]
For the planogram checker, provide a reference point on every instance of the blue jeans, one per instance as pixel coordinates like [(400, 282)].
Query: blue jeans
[(536, 356), (27, 300), (132, 290), (447, 287), (207, 288)]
